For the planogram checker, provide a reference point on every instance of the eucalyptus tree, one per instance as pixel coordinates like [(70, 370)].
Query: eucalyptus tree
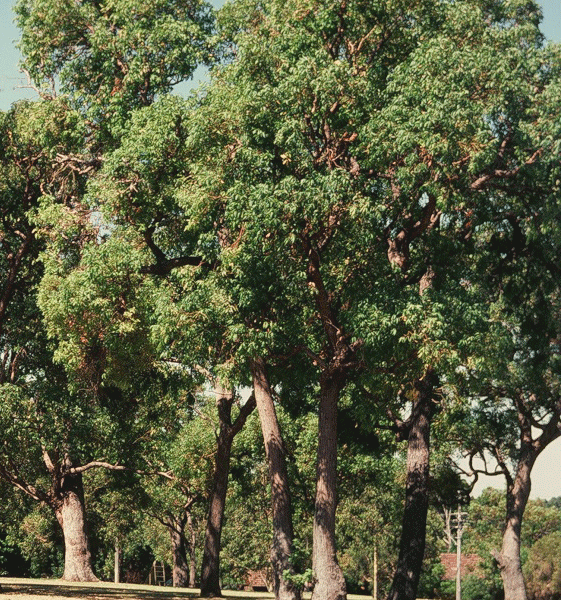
[(322, 165), (37, 138), (141, 192), (111, 57), (177, 498), (351, 140), (515, 404), (55, 429)]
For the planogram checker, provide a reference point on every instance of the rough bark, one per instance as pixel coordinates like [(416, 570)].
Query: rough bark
[(210, 571), (337, 360), (281, 549), (180, 570), (518, 484), (329, 580), (71, 514), (413, 532)]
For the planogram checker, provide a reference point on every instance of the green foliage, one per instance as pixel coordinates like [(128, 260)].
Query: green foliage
[(100, 321), (541, 570), (388, 140), (113, 56), (12, 563), (41, 544), (482, 535)]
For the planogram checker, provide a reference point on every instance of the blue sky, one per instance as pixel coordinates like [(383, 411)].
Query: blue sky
[(546, 478)]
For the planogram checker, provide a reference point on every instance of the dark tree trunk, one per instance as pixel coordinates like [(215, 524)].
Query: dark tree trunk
[(210, 571), (281, 549), (338, 360), (71, 515), (413, 532), (329, 580), (180, 571)]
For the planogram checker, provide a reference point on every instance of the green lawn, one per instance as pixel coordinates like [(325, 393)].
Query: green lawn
[(55, 589)]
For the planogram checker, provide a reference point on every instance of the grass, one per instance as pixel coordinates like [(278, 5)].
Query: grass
[(56, 589)]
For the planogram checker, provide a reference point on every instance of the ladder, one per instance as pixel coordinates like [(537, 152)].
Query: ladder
[(157, 574)]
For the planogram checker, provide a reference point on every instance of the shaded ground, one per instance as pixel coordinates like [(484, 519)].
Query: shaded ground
[(43, 589), (55, 589)]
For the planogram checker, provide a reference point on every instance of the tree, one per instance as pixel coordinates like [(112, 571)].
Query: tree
[(541, 568), (33, 136), (316, 164), (282, 545), (94, 50), (517, 409), (318, 180), (210, 572), (112, 57)]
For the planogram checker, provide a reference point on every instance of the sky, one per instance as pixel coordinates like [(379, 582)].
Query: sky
[(546, 474)]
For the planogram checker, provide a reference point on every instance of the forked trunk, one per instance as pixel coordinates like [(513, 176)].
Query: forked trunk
[(413, 532), (71, 515), (329, 580), (280, 493), (180, 572), (210, 572)]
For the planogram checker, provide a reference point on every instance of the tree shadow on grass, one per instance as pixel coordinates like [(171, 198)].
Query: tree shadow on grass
[(92, 592)]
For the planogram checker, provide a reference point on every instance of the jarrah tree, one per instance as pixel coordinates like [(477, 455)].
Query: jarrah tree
[(416, 430), (516, 407), (228, 428), (112, 57), (35, 138), (47, 447), (282, 544), (103, 343), (352, 139), (295, 215), (177, 525)]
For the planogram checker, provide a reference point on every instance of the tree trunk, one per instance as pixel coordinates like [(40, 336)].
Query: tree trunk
[(329, 580), (413, 532), (180, 572), (281, 549), (117, 563), (71, 515), (210, 571), (192, 556), (517, 494)]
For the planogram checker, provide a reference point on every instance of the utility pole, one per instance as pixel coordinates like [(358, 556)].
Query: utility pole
[(460, 518)]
